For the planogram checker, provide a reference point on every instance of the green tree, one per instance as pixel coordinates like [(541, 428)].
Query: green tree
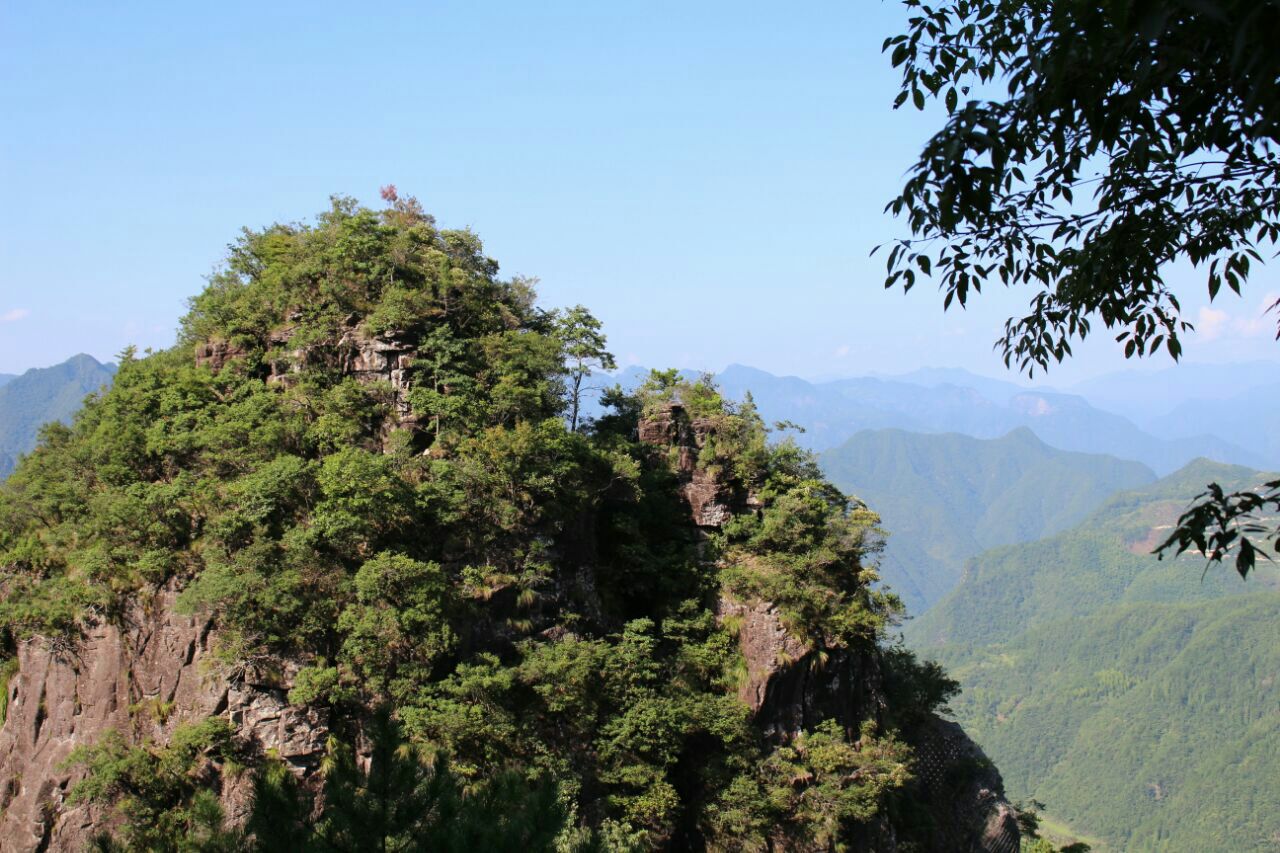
[(1086, 148), (165, 796), (1223, 524), (408, 799), (391, 805), (584, 351)]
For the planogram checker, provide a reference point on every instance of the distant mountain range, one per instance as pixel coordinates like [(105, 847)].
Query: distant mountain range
[(980, 407), (1249, 418), (1143, 395), (951, 400), (6, 377), (1137, 698), (945, 497), (42, 395)]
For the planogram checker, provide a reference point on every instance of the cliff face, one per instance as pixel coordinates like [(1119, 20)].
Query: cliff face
[(142, 681)]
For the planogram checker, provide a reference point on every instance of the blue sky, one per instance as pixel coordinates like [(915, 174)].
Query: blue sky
[(708, 178)]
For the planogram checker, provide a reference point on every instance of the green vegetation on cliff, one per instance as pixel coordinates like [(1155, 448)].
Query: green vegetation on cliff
[(1134, 697), (358, 458)]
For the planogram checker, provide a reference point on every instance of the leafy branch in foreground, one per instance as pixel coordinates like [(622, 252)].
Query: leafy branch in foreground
[(1219, 523), (1130, 135)]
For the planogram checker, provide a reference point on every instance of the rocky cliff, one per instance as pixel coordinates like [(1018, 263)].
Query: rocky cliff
[(142, 676), (788, 690)]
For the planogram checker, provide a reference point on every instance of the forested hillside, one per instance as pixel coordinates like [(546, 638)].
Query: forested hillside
[(335, 572), (1139, 700), (40, 396), (944, 498)]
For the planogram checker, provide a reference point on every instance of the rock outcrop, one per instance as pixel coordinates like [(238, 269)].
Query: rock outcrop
[(142, 680), (712, 497), (788, 691), (385, 358), (789, 687), (216, 354)]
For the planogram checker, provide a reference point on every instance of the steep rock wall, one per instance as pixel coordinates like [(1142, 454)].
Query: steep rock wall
[(141, 678)]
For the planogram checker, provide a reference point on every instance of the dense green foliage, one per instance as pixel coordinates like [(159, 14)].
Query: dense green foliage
[(1134, 698), (165, 795), (945, 498), (40, 396), (528, 601)]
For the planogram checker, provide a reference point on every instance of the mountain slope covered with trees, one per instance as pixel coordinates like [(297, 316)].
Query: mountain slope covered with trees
[(1136, 699), (945, 498)]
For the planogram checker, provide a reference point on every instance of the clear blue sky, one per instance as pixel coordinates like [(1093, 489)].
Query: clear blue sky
[(707, 177)]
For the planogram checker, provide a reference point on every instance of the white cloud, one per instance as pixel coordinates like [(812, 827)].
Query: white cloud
[(1214, 323), (14, 315), (1261, 322), (842, 351), (1211, 323)]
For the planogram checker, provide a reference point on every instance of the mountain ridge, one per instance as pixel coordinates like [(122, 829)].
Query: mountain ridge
[(44, 395), (832, 411), (945, 497)]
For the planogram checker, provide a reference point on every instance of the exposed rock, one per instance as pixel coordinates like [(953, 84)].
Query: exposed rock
[(143, 681), (963, 790), (712, 496), (216, 354), (766, 645), (663, 427), (385, 358), (790, 687)]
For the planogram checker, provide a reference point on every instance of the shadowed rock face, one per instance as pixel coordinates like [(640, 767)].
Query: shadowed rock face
[(141, 680), (790, 687), (788, 691)]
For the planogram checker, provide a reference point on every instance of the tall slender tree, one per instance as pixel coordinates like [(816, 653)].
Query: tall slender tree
[(584, 348)]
